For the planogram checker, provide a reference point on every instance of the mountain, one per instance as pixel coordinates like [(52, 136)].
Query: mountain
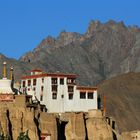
[(122, 100), (104, 51)]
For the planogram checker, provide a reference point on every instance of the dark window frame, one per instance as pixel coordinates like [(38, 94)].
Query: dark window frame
[(41, 97), (82, 95), (70, 96), (54, 88), (42, 88), (34, 82), (54, 81), (70, 88), (90, 95), (29, 82), (23, 83), (61, 81), (54, 96)]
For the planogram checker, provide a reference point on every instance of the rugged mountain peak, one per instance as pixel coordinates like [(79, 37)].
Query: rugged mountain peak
[(66, 38), (93, 26), (47, 42)]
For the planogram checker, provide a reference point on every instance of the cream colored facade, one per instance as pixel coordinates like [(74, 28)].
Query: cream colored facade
[(59, 92)]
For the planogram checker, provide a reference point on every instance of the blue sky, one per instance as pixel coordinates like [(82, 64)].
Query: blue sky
[(24, 23)]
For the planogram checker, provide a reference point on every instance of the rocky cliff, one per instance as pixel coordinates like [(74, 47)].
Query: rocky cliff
[(15, 120)]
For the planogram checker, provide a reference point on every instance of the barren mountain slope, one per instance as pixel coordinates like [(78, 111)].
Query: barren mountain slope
[(123, 100)]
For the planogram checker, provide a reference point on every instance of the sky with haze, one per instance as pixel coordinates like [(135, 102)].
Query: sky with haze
[(24, 23)]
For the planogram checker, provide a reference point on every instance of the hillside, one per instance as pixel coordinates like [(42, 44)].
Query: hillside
[(123, 95)]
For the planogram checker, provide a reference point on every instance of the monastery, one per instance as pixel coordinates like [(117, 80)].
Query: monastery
[(59, 92)]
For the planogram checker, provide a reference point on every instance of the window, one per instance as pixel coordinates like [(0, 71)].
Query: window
[(54, 95), (42, 80), (70, 88), (34, 82), (90, 95), (54, 88), (41, 97), (70, 96), (29, 82), (61, 81), (70, 81), (34, 89), (28, 89), (42, 88), (82, 95), (24, 83), (54, 80), (24, 90)]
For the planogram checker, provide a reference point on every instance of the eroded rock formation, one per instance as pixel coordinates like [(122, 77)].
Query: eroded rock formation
[(67, 126), (75, 128), (97, 127)]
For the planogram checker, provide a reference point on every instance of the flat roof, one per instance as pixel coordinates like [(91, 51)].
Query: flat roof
[(49, 75), (86, 88)]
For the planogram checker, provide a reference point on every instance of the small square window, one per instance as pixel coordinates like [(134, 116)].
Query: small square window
[(61, 81), (82, 95), (54, 88), (54, 80), (70, 88), (54, 95), (70, 96), (90, 95)]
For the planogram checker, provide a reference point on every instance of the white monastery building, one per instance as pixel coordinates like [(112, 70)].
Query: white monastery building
[(59, 92)]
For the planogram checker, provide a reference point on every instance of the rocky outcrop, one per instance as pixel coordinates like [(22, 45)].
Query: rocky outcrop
[(132, 135), (75, 128), (48, 125), (67, 126), (14, 120), (97, 128)]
